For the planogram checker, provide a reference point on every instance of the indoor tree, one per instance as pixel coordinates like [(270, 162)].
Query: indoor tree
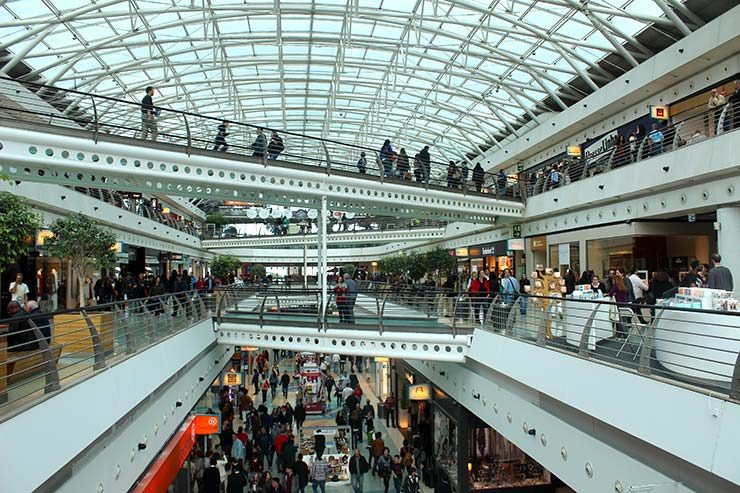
[(348, 269), (218, 220), (84, 243), (258, 271), (18, 222), (224, 267)]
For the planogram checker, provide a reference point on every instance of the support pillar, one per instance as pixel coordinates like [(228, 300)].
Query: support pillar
[(305, 264), (728, 239), (322, 255)]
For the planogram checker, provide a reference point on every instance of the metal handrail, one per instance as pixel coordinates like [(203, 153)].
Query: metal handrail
[(126, 122), (679, 134)]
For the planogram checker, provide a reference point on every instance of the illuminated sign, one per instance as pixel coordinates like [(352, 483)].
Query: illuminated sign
[(420, 392), (461, 252), (573, 151), (515, 244), (207, 424), (659, 112), (474, 252), (232, 378)]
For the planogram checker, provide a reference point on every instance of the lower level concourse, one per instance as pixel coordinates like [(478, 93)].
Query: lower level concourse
[(373, 424)]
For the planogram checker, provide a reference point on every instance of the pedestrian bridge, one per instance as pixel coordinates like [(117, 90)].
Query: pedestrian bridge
[(381, 326), (99, 145)]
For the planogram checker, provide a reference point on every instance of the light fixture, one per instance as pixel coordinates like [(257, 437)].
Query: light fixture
[(476, 396), (532, 432), (666, 168), (142, 446), (178, 404)]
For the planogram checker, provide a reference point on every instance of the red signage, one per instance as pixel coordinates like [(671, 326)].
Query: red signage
[(207, 424), (164, 469)]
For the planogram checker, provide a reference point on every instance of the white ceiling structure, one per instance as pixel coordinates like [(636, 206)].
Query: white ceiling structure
[(459, 75)]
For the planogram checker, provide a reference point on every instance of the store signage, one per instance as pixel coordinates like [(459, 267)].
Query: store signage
[(207, 424), (474, 252), (573, 151), (517, 231), (601, 146), (461, 252), (420, 392), (176, 256), (659, 112), (520, 167), (516, 244), (232, 378), (492, 249)]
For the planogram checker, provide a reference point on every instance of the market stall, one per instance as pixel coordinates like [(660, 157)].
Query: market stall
[(335, 444), (699, 344), (313, 389), (576, 314)]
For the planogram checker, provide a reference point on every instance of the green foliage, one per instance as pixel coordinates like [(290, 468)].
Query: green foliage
[(224, 266), (440, 259), (417, 265), (395, 265), (82, 241), (259, 271), (348, 269), (217, 218), (18, 221)]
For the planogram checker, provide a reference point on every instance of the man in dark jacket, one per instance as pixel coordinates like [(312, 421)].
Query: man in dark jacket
[(299, 414), (39, 318), (212, 478), (358, 467), (264, 445), (300, 468), (289, 451), (426, 163), (20, 336), (285, 383)]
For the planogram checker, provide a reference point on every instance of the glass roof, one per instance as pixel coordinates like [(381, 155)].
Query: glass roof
[(458, 75)]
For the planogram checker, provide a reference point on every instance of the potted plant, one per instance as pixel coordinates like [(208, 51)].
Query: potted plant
[(87, 246)]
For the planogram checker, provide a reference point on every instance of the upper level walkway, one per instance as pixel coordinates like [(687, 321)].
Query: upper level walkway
[(132, 369), (101, 146)]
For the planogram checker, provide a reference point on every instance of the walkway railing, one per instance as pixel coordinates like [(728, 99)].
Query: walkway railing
[(692, 130), (42, 353), (686, 346), (191, 133), (366, 310)]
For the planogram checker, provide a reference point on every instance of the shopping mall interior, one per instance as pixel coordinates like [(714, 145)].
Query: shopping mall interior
[(369, 246)]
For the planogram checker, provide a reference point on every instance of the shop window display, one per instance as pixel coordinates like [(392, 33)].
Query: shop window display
[(496, 463), (445, 445)]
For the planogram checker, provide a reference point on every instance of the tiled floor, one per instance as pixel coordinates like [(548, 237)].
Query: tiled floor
[(392, 437)]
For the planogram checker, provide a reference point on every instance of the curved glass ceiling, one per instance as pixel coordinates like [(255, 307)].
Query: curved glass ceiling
[(457, 75)]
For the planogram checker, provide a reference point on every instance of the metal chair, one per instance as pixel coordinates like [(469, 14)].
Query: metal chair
[(635, 328)]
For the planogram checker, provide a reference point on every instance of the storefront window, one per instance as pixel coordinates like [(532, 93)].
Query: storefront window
[(609, 253), (565, 255), (495, 463), (445, 444)]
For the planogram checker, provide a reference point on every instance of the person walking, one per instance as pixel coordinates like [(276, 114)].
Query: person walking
[(258, 146), (377, 449), (273, 382), (148, 114), (425, 161), (276, 146), (351, 298), (319, 474), (383, 468), (358, 467), (299, 414), (411, 484), (285, 383), (219, 143), (265, 388), (397, 473), (300, 468), (362, 163), (389, 409), (478, 177), (720, 277)]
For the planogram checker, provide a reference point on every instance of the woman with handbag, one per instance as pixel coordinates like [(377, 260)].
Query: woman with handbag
[(620, 294)]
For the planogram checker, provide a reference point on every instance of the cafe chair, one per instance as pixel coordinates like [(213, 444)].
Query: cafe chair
[(635, 329)]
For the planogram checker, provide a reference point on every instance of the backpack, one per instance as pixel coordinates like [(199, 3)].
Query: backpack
[(408, 458)]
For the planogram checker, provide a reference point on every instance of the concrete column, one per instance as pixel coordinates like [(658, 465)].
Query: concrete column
[(323, 254), (728, 239)]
